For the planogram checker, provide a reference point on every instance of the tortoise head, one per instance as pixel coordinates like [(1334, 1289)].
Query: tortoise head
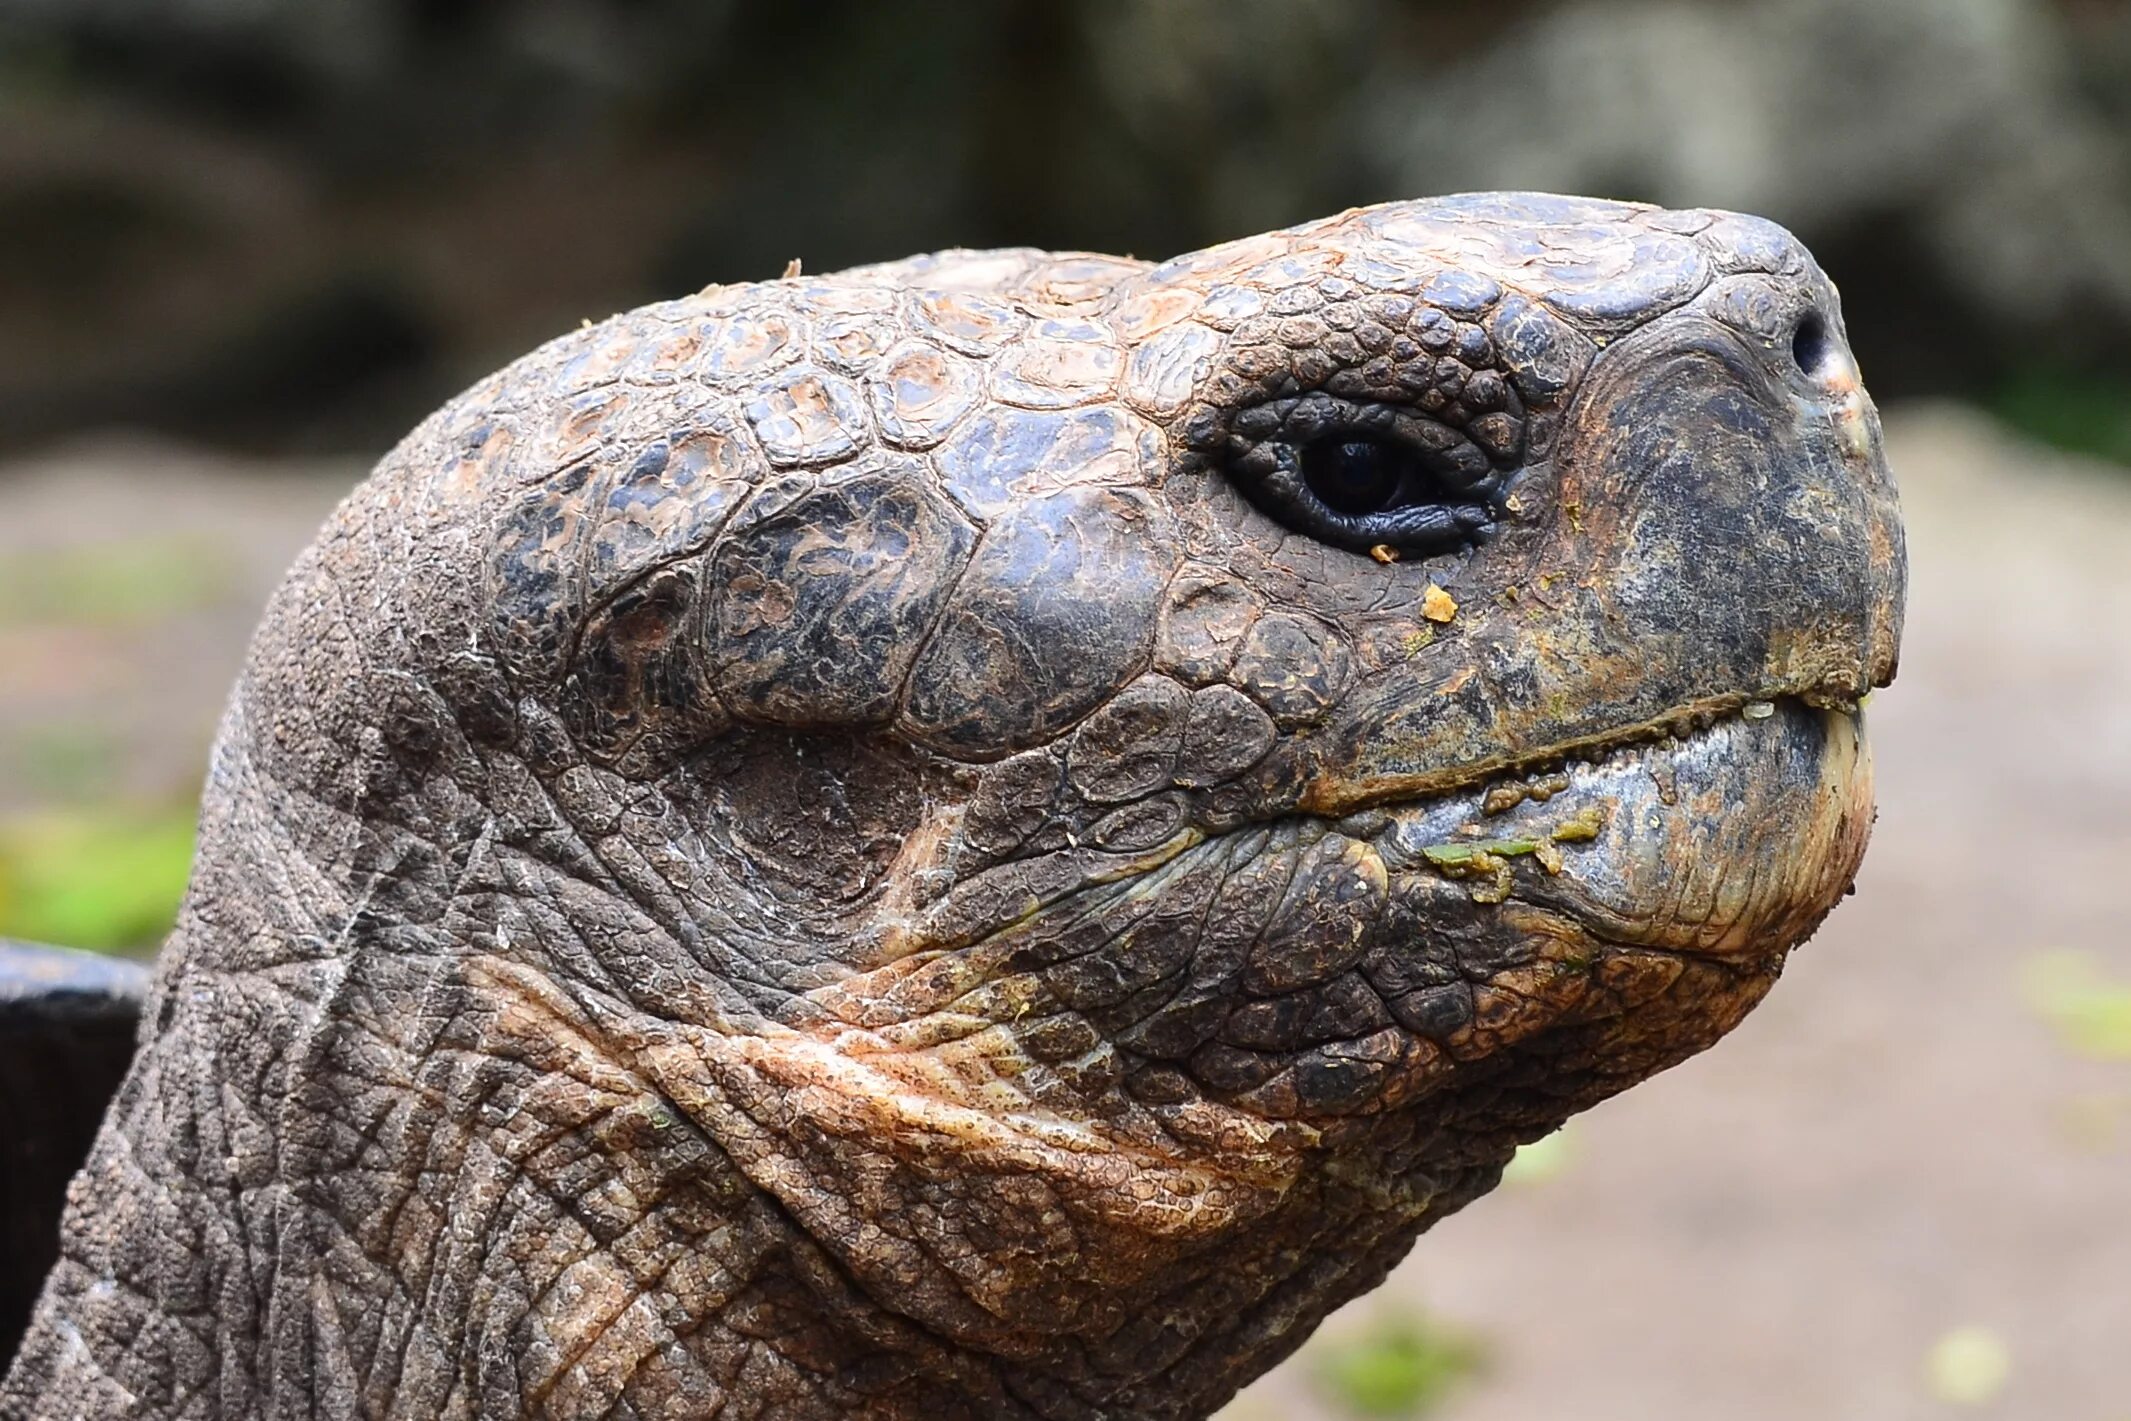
[(1054, 812), (1291, 680), (1200, 761)]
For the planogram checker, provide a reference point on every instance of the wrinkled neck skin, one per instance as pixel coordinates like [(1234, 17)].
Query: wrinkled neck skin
[(587, 1007), (484, 1113)]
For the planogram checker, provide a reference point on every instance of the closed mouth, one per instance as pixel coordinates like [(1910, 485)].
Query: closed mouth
[(1567, 828), (1681, 724), (1723, 830)]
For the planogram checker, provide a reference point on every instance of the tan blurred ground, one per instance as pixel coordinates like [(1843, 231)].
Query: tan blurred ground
[(1895, 1146)]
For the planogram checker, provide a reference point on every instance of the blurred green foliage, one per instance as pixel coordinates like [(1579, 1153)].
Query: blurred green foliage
[(106, 878), (1404, 1366), (1969, 1366), (1544, 1159), (2087, 413), (123, 582), (84, 869), (64, 761), (2088, 1008)]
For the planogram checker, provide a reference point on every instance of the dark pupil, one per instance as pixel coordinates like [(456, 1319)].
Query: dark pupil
[(1353, 476)]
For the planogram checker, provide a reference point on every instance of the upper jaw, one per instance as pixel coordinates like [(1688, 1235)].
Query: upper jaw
[(1345, 790)]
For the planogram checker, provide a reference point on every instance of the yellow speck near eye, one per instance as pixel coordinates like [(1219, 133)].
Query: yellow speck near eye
[(1438, 605), (1384, 553)]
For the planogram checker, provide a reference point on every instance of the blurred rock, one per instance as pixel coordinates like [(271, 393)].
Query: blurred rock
[(300, 223), (1954, 166)]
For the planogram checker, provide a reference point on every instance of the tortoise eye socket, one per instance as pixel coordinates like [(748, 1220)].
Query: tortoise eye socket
[(1367, 490), (1372, 474)]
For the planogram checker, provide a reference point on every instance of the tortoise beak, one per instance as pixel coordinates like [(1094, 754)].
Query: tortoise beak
[(1748, 520), (1854, 420)]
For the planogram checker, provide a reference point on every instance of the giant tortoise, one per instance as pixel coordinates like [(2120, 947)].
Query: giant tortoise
[(987, 836)]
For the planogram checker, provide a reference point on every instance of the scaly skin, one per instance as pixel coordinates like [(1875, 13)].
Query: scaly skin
[(810, 851)]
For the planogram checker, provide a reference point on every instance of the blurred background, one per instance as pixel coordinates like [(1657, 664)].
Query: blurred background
[(245, 244)]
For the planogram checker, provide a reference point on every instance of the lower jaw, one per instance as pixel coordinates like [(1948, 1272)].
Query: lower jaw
[(1732, 840)]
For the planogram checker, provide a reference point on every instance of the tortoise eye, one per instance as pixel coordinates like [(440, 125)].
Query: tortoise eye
[(1357, 476)]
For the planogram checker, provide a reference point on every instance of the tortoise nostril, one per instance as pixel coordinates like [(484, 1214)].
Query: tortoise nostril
[(1811, 344)]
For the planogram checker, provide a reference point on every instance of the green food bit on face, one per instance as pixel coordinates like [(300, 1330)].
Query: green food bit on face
[(107, 879), (1405, 1367), (1499, 880), (1469, 855), (1581, 829)]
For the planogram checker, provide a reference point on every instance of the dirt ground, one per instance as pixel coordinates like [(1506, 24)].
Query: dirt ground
[(1897, 1146)]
